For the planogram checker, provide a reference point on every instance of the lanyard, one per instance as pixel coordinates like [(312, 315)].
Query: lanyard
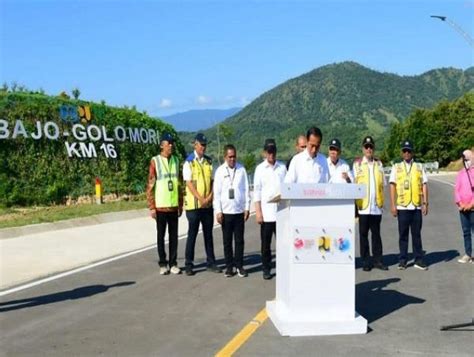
[(405, 167), (167, 168), (233, 176)]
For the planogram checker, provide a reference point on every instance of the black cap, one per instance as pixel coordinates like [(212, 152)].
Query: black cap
[(335, 143), (201, 138), (166, 137), (407, 145), (270, 146), (368, 140)]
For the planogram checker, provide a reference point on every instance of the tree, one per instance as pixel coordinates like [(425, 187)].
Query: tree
[(76, 93), (250, 162), (64, 95)]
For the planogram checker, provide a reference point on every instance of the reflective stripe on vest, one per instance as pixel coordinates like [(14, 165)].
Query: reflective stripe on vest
[(165, 198), (201, 179), (362, 176), (409, 184)]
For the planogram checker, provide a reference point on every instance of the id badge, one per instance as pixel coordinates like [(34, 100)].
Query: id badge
[(170, 185), (406, 185), (231, 193)]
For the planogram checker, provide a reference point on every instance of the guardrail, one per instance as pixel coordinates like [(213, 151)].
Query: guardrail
[(428, 166)]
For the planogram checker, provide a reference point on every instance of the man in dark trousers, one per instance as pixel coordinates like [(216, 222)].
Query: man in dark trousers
[(165, 202), (197, 173), (368, 171), (232, 209), (267, 179), (409, 202)]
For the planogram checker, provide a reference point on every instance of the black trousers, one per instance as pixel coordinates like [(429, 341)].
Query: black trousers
[(410, 220), (267, 230), (169, 219), (233, 227), (370, 222), (204, 216)]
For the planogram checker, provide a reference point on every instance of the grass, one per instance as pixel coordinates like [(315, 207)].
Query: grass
[(17, 217)]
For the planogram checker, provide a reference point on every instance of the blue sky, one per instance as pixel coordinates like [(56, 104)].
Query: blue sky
[(171, 56)]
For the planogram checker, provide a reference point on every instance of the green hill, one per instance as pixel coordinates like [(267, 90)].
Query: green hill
[(345, 100)]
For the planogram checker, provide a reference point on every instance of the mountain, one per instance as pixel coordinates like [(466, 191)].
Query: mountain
[(346, 100), (194, 120)]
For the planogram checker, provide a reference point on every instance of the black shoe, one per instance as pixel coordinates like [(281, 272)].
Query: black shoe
[(242, 273), (380, 266), (267, 275), (402, 265), (189, 271), (229, 272), (420, 264), (214, 268)]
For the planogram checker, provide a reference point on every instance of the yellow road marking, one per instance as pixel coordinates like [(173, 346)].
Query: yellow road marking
[(243, 335)]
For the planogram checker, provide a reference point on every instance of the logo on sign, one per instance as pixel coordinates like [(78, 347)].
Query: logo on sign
[(71, 114)]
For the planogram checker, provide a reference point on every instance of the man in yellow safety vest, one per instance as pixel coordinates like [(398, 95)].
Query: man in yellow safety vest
[(165, 202), (369, 171), (197, 173), (409, 202)]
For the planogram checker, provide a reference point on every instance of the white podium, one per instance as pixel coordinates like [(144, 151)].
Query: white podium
[(315, 261)]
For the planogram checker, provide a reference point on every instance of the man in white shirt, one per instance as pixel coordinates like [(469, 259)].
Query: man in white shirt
[(268, 177), (309, 166), (300, 145), (232, 208), (369, 172), (339, 170), (409, 202)]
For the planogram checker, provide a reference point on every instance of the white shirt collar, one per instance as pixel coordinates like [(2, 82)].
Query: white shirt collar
[(364, 159), (197, 157), (229, 168), (267, 164), (308, 157)]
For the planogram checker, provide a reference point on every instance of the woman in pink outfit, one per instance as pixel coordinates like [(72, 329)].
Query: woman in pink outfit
[(464, 198)]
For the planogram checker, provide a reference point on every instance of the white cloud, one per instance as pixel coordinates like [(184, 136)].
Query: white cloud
[(244, 101), (202, 100), (166, 103)]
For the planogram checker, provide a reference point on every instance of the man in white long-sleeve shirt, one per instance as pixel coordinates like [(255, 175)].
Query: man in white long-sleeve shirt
[(232, 208), (309, 166), (268, 177), (339, 170)]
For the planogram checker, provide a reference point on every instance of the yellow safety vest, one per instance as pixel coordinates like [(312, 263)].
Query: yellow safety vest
[(201, 180), (409, 184), (362, 176), (166, 178)]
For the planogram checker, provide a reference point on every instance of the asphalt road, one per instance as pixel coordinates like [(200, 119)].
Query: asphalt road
[(126, 308)]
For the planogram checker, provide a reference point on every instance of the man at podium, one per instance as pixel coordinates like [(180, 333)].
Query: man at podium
[(309, 166)]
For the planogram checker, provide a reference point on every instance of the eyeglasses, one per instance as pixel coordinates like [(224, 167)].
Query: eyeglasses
[(367, 147), (406, 150)]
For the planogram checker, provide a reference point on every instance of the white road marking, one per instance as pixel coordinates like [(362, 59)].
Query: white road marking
[(89, 266), (442, 181)]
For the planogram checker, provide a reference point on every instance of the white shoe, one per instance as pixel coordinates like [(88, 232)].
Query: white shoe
[(175, 270), (164, 271), (465, 259)]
